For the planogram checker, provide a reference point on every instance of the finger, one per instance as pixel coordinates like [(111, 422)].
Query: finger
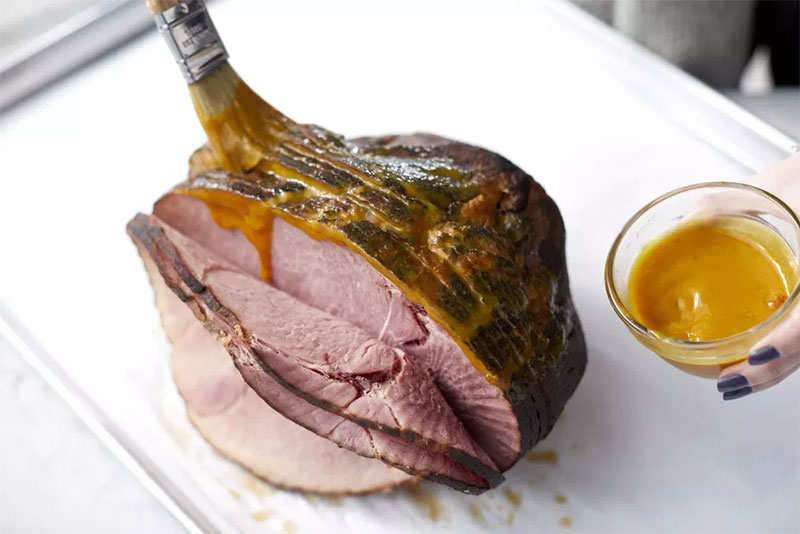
[(784, 341), (744, 374), (786, 373), (734, 202), (747, 389), (773, 359), (781, 178)]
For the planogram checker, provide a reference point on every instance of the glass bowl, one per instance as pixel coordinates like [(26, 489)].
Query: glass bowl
[(711, 199)]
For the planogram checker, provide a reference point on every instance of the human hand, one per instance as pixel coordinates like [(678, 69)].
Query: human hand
[(777, 355)]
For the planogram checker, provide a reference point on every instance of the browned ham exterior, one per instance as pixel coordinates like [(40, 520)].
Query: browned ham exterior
[(353, 355)]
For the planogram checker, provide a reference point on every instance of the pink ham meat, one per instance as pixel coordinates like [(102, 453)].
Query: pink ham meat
[(331, 278), (322, 372), (241, 426)]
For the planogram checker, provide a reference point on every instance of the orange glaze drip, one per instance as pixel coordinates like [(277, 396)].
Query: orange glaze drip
[(254, 219)]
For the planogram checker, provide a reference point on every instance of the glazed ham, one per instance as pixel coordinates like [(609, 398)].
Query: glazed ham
[(452, 379)]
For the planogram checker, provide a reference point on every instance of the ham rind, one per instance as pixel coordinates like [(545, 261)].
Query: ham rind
[(242, 427), (321, 372)]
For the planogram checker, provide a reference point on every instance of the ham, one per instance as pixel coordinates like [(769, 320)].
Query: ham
[(445, 356)]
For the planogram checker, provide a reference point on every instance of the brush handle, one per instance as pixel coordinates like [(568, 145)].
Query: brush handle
[(190, 35)]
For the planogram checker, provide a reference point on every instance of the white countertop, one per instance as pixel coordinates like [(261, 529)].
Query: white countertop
[(55, 476), (601, 125)]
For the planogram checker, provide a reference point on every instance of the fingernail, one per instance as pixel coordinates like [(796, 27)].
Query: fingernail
[(763, 355), (731, 382), (738, 394)]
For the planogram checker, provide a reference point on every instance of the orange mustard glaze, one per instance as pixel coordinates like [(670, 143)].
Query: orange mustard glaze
[(249, 216), (706, 281)]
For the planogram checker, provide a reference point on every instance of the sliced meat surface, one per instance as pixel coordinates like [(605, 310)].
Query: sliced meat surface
[(330, 277), (241, 426), (349, 288), (324, 373), (340, 366)]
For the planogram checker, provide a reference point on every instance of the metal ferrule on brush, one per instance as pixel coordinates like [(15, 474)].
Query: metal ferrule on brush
[(191, 36)]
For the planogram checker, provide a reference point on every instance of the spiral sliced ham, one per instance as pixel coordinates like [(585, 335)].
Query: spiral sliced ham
[(347, 335)]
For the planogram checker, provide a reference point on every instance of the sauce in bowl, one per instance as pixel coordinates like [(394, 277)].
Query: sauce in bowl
[(702, 273), (710, 279)]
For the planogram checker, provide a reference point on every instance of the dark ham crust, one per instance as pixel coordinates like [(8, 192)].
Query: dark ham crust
[(501, 236), (541, 387), (446, 464)]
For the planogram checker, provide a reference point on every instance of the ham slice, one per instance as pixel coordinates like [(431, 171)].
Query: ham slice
[(241, 426)]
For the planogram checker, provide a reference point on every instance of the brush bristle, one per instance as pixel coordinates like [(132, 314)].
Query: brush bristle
[(214, 93), (157, 7), (240, 126)]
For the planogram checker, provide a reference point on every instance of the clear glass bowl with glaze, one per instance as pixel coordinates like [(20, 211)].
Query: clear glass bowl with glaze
[(711, 199)]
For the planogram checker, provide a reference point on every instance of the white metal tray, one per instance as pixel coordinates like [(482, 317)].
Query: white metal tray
[(603, 125)]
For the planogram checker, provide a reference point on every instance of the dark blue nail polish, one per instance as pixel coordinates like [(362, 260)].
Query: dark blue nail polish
[(763, 355), (738, 394), (732, 383)]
